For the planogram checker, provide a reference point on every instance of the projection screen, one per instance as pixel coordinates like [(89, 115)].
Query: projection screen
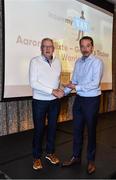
[(65, 21)]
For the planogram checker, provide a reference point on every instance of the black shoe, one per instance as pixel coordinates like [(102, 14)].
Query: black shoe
[(71, 162)]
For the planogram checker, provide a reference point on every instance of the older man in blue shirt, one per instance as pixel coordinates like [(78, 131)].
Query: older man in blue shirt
[(86, 80)]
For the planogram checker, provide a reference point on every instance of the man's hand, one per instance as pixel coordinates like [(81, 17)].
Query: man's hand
[(70, 85), (59, 93)]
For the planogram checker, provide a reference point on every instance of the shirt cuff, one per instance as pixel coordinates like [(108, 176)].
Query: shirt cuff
[(50, 91), (67, 91), (78, 88)]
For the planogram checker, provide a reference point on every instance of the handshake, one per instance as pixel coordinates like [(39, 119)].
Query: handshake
[(59, 93)]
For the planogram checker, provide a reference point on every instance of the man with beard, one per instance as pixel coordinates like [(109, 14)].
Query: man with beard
[(86, 80)]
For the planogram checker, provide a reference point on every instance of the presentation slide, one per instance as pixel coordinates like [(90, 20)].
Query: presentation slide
[(27, 22)]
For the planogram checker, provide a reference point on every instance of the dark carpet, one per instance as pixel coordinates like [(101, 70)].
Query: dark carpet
[(16, 156)]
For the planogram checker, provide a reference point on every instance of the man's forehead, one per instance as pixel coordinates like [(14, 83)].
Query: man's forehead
[(47, 41), (86, 42)]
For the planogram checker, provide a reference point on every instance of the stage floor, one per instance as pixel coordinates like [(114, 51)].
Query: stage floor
[(16, 156)]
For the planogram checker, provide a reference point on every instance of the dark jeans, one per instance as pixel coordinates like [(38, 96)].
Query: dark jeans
[(41, 110), (85, 110)]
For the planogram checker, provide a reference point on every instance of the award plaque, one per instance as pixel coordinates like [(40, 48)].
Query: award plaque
[(65, 78)]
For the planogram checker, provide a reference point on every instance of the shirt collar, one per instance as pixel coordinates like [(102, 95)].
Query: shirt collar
[(44, 58), (83, 58)]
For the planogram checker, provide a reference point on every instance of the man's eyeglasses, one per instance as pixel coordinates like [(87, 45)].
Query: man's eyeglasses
[(47, 47)]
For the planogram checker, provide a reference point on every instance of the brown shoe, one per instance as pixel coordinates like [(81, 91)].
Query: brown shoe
[(52, 158), (37, 164), (71, 162), (91, 167)]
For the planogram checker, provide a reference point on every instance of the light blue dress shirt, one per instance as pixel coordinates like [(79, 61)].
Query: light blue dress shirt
[(87, 76)]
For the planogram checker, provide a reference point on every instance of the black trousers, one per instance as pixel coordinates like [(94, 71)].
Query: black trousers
[(41, 110), (85, 110)]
